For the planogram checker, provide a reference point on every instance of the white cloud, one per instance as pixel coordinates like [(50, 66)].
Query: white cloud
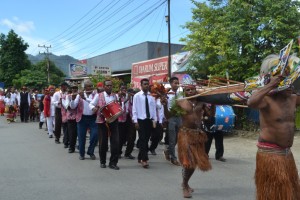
[(17, 25)]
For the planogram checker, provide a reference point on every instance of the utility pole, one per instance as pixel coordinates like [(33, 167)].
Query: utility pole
[(47, 60), (168, 20)]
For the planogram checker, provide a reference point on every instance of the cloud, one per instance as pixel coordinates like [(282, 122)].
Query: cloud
[(17, 25)]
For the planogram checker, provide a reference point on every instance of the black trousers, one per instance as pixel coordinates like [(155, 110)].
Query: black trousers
[(145, 127), (66, 139), (127, 133), (156, 136), (123, 132), (114, 142), (219, 145), (72, 134), (58, 122), (24, 112)]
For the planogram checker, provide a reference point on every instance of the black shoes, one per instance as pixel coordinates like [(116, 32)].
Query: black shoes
[(130, 157), (57, 141), (50, 136), (81, 157), (71, 150), (112, 166), (103, 165), (153, 152), (221, 159), (92, 156), (66, 146)]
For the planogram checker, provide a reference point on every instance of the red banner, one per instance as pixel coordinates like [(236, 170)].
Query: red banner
[(150, 67)]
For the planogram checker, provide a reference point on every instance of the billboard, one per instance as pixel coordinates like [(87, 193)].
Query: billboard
[(77, 70)]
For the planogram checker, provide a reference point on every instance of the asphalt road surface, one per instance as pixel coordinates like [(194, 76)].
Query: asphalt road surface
[(33, 167)]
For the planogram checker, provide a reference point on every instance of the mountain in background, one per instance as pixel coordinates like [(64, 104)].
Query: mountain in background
[(62, 62)]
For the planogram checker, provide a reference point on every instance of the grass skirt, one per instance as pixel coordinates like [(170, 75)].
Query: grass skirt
[(276, 175), (191, 149)]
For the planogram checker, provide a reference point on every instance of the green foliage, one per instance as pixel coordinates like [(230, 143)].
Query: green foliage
[(100, 78), (13, 58), (37, 76), (176, 110), (237, 35)]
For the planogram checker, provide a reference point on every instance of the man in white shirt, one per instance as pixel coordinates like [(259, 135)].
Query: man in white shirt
[(107, 130), (57, 97), (86, 119), (24, 104), (174, 123), (144, 117)]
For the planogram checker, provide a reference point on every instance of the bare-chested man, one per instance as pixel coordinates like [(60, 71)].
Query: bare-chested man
[(276, 175), (191, 139)]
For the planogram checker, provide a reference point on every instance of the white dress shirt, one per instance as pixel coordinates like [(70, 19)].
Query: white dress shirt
[(160, 111), (86, 102), (28, 99), (52, 108), (139, 107), (108, 98), (56, 98), (13, 97), (171, 97)]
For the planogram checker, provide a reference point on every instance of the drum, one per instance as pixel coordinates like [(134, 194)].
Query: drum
[(224, 118), (111, 111)]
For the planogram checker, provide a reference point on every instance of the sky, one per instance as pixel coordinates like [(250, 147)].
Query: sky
[(84, 29)]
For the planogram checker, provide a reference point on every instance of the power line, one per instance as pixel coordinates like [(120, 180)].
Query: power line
[(120, 31)]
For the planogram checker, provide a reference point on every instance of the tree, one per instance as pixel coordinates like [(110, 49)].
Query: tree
[(236, 35), (13, 58), (36, 76)]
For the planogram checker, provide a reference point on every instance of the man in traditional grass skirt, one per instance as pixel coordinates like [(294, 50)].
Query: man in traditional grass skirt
[(276, 175), (191, 139)]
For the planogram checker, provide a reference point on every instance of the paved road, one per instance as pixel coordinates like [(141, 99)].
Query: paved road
[(33, 167)]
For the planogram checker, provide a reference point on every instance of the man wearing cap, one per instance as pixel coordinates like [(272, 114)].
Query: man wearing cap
[(57, 98), (24, 104), (100, 87)]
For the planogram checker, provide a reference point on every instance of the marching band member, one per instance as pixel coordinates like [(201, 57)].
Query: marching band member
[(49, 110), (85, 119), (124, 119), (57, 97), (144, 117), (69, 115), (106, 129), (157, 132)]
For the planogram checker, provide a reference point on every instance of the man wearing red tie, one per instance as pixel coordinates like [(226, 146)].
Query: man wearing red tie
[(144, 117)]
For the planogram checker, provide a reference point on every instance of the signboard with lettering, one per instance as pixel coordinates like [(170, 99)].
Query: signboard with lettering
[(150, 67), (105, 71)]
